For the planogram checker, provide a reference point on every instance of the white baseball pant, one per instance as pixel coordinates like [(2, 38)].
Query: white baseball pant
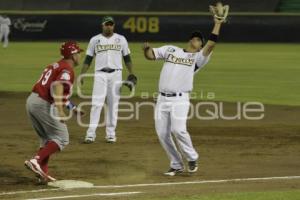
[(106, 86), (170, 123), (4, 33)]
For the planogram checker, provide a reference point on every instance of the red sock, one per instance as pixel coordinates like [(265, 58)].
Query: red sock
[(44, 153), (44, 165)]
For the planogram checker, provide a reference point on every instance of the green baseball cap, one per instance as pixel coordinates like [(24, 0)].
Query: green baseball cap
[(106, 19)]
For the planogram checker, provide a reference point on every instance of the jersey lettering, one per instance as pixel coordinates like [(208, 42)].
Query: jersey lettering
[(46, 77), (182, 61), (115, 47)]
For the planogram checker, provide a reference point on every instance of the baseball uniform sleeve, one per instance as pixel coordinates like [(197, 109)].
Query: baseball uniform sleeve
[(90, 51), (160, 53), (125, 48), (201, 61), (65, 76)]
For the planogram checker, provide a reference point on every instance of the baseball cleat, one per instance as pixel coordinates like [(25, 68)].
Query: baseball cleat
[(110, 140), (42, 181), (192, 166), (50, 178), (34, 166), (89, 140), (173, 172)]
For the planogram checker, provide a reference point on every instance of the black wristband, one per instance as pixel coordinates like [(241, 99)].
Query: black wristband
[(213, 37), (127, 59), (88, 60)]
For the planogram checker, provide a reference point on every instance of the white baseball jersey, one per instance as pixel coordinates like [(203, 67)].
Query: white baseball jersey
[(5, 22), (178, 71), (108, 51)]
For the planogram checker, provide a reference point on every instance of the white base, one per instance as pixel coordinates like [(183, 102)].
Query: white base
[(68, 184)]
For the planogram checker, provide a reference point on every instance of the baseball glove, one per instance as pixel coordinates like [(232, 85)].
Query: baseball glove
[(220, 11), (131, 81)]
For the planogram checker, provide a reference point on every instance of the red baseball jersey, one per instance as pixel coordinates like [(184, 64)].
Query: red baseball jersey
[(60, 71)]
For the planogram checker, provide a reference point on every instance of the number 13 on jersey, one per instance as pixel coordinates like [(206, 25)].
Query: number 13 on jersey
[(142, 24)]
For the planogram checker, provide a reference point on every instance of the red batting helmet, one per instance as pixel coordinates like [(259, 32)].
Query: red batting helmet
[(69, 48)]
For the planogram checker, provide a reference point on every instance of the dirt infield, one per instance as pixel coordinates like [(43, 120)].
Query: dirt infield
[(228, 149)]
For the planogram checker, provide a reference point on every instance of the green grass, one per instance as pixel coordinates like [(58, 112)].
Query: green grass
[(237, 72), (269, 195)]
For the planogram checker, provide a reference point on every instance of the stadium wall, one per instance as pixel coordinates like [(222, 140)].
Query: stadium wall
[(240, 28), (138, 5)]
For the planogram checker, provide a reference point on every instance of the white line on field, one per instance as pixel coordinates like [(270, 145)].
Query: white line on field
[(199, 182), (87, 195), (28, 191), (161, 184)]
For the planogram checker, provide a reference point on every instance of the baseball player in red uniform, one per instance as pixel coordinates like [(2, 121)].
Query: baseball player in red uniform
[(45, 108)]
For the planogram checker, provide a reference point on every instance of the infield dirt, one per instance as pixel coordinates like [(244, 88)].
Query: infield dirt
[(228, 149)]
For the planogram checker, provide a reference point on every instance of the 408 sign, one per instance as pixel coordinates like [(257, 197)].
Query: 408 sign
[(142, 24)]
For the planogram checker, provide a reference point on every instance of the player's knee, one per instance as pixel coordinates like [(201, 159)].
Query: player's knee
[(175, 129), (64, 143), (162, 133), (61, 142), (97, 106)]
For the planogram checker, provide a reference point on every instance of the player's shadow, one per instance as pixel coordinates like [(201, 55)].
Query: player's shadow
[(12, 177)]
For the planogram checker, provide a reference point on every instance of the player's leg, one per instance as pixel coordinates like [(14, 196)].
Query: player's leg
[(1, 34), (41, 133), (36, 108), (6, 34), (113, 98), (37, 127), (179, 115), (57, 137), (98, 98), (44, 163), (44, 167), (163, 130)]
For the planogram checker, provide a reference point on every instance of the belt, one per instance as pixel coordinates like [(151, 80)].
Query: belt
[(171, 94), (109, 70)]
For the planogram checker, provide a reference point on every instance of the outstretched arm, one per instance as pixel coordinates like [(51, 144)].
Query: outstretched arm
[(220, 13), (213, 38)]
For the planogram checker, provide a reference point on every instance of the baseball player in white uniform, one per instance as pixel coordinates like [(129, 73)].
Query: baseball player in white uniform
[(108, 48), (175, 84), (5, 24)]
